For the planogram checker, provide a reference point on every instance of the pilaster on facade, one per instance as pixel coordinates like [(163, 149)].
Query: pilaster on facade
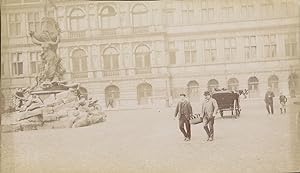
[(90, 62)]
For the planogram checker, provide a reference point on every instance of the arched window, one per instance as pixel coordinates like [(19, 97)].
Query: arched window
[(253, 83), (273, 83), (233, 84), (144, 93), (142, 57), (113, 92), (193, 90), (110, 59), (79, 62), (77, 20), (212, 85), (253, 86), (140, 15), (108, 18)]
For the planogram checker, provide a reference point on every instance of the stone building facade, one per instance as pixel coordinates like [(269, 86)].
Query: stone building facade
[(149, 52)]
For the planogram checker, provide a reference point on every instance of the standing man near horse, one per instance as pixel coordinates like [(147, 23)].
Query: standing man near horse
[(209, 111), (184, 109)]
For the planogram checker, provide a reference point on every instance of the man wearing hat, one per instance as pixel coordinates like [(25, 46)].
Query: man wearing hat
[(184, 109), (282, 100), (209, 110), (269, 100)]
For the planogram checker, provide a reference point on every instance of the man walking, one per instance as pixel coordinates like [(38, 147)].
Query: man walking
[(269, 100), (184, 109), (282, 101), (209, 111)]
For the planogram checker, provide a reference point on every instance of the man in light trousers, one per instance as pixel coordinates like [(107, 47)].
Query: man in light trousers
[(209, 111)]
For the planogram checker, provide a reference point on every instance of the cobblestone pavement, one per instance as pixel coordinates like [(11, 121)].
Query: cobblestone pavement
[(137, 141)]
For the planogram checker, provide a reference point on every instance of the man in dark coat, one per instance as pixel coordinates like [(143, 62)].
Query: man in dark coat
[(269, 100), (184, 109)]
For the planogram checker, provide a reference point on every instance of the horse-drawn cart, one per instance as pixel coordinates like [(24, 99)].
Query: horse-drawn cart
[(228, 101)]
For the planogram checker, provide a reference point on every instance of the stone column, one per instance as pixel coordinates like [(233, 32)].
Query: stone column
[(180, 52), (131, 59), (220, 50)]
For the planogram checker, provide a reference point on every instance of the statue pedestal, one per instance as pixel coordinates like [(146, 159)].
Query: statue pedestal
[(43, 94)]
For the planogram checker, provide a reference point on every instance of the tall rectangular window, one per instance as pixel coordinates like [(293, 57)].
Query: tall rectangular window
[(34, 22), (247, 9), (14, 24), (286, 7), (169, 16), (111, 62), (290, 41), (227, 9), (250, 47), (210, 50), (207, 10), (35, 63), (190, 52), (17, 64), (270, 45), (267, 8), (172, 53), (230, 48), (187, 15), (172, 57), (227, 12)]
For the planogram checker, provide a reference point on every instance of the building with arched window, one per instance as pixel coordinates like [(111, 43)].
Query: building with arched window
[(144, 93), (143, 52), (253, 86), (108, 18), (273, 82), (193, 92), (139, 15), (233, 84), (110, 61), (79, 63), (142, 59), (212, 85), (77, 20), (112, 92)]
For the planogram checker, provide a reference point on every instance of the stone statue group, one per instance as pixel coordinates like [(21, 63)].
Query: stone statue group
[(48, 39), (66, 109), (52, 102)]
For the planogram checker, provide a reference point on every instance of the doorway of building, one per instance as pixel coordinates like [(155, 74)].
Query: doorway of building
[(193, 91), (144, 93), (253, 87), (112, 95)]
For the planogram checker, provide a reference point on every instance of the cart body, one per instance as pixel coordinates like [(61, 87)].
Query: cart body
[(227, 101)]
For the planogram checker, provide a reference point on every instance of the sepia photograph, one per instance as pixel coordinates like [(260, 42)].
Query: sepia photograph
[(161, 86)]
